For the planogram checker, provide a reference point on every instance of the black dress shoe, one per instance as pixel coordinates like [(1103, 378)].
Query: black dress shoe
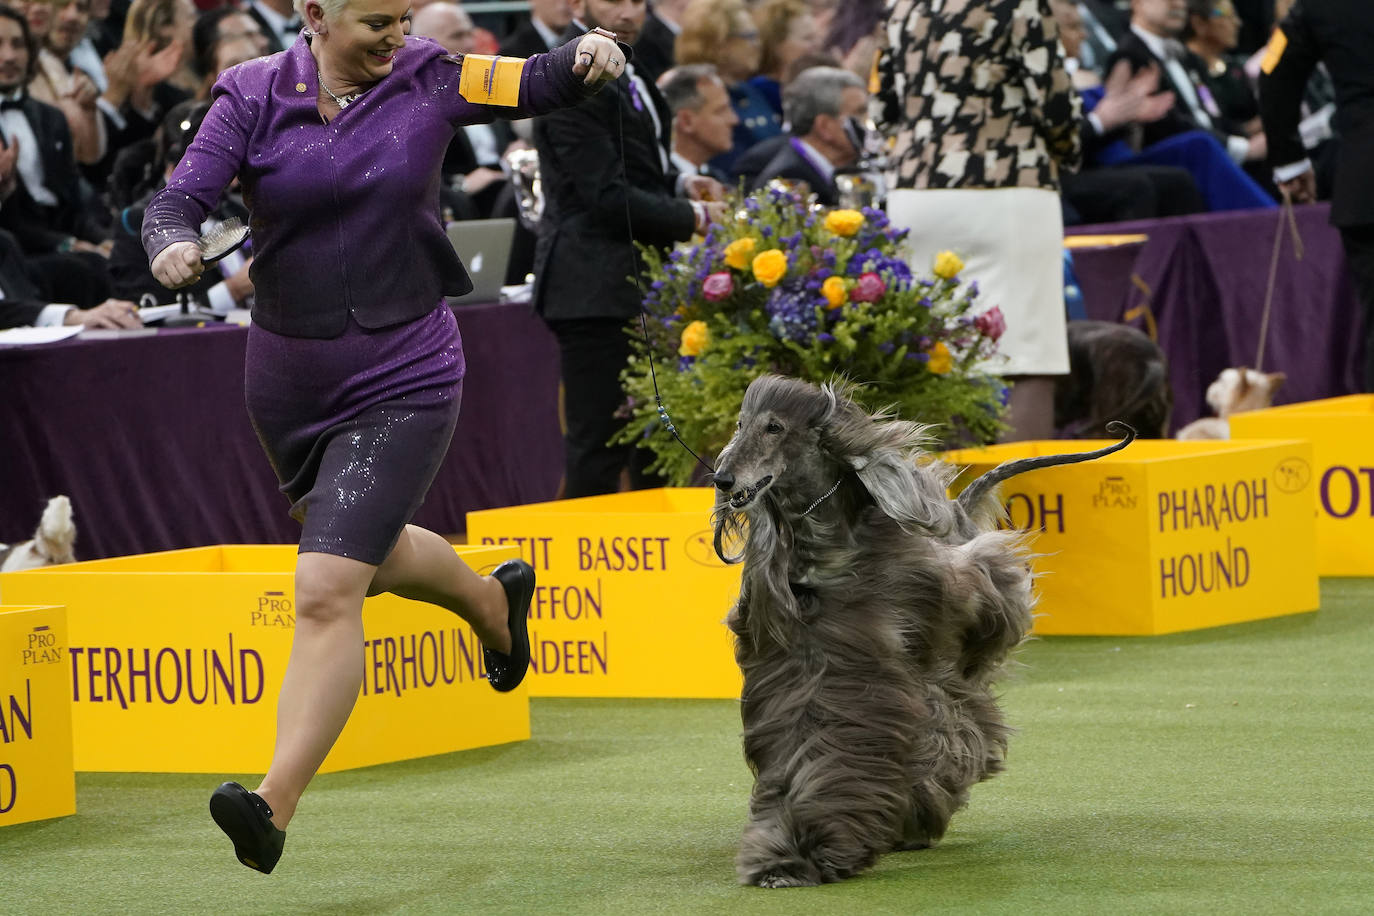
[(247, 820), (506, 671)]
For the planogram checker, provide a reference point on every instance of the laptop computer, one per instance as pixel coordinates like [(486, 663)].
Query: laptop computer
[(484, 245)]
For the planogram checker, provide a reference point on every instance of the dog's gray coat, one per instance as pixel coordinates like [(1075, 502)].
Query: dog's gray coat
[(869, 630)]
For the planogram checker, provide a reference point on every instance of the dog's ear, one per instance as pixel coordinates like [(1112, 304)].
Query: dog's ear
[(1275, 380), (897, 490)]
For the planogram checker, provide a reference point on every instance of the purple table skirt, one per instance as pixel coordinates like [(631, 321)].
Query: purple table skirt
[(150, 438), (1202, 280)]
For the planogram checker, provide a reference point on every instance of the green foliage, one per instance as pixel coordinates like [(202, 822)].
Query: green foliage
[(792, 290)]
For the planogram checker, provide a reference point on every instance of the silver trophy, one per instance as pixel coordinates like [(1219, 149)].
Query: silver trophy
[(522, 167)]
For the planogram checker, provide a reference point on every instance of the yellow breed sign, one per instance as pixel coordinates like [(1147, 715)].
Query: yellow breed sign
[(1342, 434), (1164, 536), (36, 776), (175, 661), (631, 598)]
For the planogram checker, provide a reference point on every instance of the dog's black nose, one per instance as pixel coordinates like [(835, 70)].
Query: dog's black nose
[(724, 481)]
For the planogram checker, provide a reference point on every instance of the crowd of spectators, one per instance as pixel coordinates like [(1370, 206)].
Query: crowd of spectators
[(100, 97)]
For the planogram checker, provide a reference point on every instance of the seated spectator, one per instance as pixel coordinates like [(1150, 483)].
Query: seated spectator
[(70, 89), (1117, 114), (214, 28), (278, 20), (750, 162), (703, 118), (823, 107), (224, 285), (722, 33), (1211, 36), (473, 162), (549, 19), (22, 305), (787, 32), (45, 210), (1156, 26)]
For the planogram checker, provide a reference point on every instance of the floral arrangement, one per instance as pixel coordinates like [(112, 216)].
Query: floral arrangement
[(789, 289)]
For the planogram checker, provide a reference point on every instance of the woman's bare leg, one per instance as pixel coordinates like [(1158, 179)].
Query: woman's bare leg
[(323, 675), (424, 567)]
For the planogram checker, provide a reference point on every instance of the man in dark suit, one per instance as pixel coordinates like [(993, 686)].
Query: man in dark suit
[(819, 106), (597, 205), (21, 303), (543, 32), (278, 21), (703, 118), (654, 51), (1153, 39), (44, 210), (1339, 33)]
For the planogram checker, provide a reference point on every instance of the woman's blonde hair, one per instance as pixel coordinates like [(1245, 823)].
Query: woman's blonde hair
[(706, 29), (331, 8), (775, 18), (146, 19)]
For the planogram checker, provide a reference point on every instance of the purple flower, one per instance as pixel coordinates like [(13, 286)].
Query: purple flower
[(792, 312), (823, 337), (925, 301), (886, 347)]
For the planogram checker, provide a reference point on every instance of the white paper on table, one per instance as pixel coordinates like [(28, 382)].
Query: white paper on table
[(20, 337)]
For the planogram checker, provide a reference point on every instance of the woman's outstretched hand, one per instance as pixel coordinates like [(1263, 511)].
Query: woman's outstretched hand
[(178, 265), (599, 58)]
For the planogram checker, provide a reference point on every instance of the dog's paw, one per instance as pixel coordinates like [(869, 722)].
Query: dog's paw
[(777, 880)]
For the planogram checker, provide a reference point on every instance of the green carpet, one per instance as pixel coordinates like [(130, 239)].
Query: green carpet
[(1225, 771)]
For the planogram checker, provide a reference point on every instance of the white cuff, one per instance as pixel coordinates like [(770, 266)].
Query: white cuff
[(1238, 148), (1291, 170), (1096, 123), (111, 112), (53, 316), (221, 300)]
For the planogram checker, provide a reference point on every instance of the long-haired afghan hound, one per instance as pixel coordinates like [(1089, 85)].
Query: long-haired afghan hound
[(874, 614)]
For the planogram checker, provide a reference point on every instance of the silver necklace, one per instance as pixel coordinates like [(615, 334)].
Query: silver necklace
[(341, 102)]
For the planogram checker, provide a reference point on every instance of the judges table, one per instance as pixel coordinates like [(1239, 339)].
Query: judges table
[(1199, 282), (149, 437)]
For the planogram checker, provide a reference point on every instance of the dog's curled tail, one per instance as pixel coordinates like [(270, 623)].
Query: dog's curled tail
[(974, 492)]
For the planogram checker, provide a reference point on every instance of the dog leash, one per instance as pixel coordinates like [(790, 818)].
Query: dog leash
[(1285, 212)]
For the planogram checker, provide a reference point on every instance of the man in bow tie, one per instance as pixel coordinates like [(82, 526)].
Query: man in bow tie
[(598, 203), (278, 20)]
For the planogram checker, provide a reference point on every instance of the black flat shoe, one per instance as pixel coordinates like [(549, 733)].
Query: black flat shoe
[(247, 820), (506, 671)]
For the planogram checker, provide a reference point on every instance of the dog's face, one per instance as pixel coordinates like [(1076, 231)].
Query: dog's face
[(776, 447), (1239, 390)]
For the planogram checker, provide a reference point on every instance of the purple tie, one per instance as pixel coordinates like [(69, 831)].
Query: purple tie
[(635, 98)]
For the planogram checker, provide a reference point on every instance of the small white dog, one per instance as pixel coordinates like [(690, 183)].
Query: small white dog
[(51, 544), (1234, 391)]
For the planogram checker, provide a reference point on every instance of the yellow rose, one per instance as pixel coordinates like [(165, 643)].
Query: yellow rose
[(834, 291), (770, 267), (948, 265), (940, 359), (844, 222), (695, 337), (737, 253)]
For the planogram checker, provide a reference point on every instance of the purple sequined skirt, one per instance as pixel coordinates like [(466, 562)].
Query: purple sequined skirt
[(356, 426)]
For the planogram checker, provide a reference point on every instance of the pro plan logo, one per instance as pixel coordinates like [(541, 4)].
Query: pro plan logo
[(1114, 493), (701, 549), (41, 648), (1292, 475), (274, 609)]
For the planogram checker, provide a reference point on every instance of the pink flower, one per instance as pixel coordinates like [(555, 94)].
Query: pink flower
[(992, 323), (869, 288), (718, 286)]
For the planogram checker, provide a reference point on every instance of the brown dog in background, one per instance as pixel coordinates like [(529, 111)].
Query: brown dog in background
[(1116, 372)]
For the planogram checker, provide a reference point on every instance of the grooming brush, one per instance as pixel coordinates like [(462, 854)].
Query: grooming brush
[(223, 239), (214, 246)]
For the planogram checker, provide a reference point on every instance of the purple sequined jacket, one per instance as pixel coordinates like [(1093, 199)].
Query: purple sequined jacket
[(345, 215)]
